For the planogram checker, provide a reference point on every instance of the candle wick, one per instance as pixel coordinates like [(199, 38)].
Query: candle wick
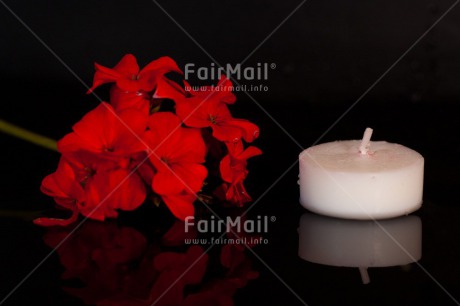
[(366, 142), (364, 275)]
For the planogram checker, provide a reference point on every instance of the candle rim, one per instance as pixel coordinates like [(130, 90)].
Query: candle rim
[(382, 159)]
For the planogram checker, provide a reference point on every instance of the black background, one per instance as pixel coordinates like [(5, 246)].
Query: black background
[(327, 55)]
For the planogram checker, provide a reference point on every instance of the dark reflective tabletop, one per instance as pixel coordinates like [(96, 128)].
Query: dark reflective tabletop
[(146, 257)]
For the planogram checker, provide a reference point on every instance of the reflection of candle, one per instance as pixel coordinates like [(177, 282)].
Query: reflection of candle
[(360, 244), (361, 179)]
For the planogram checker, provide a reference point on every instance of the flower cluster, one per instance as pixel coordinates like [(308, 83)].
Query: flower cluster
[(135, 148)]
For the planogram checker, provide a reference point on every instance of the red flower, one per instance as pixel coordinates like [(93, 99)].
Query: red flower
[(127, 75), (91, 190), (108, 191), (200, 113), (118, 149), (207, 108), (233, 171), (107, 133), (66, 191), (178, 154)]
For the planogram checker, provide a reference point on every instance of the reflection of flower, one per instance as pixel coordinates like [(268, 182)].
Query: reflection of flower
[(118, 266), (221, 291), (132, 148), (103, 257)]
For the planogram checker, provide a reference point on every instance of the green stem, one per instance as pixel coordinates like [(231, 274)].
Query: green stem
[(26, 135)]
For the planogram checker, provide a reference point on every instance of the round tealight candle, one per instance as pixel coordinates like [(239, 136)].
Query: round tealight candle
[(361, 179)]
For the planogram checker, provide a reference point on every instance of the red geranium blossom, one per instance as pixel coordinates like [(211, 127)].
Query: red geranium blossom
[(200, 113), (109, 191), (207, 108), (95, 193), (178, 154), (109, 134), (127, 75), (233, 171), (63, 186), (134, 146)]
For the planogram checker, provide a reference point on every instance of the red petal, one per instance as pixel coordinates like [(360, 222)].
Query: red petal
[(180, 205), (94, 130), (104, 75), (102, 130), (191, 147), (128, 129), (131, 191), (146, 172), (163, 64), (72, 142), (237, 194), (164, 123), (168, 89), (150, 74), (122, 99), (226, 95), (226, 170), (194, 112), (166, 182), (62, 184), (129, 84), (226, 133), (249, 130), (127, 65), (165, 133), (249, 152), (191, 176), (111, 190), (124, 70)]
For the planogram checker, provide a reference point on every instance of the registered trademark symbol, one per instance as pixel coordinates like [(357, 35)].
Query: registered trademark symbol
[(273, 66), (273, 218)]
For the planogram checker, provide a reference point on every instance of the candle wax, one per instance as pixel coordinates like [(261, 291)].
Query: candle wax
[(339, 180)]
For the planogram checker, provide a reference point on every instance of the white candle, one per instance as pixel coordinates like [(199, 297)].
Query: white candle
[(361, 179), (360, 244)]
